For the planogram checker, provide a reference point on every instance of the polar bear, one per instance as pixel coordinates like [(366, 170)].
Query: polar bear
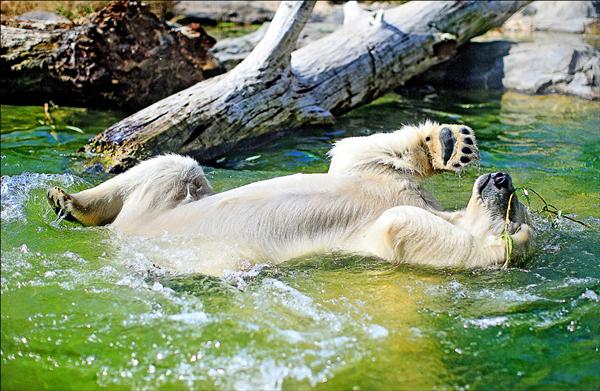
[(370, 202)]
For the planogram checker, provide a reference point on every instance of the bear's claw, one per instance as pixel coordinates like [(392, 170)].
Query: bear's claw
[(61, 203)]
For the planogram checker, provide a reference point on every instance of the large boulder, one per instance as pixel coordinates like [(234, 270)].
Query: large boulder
[(549, 64), (212, 12), (42, 16), (553, 56), (248, 12), (562, 16), (553, 67)]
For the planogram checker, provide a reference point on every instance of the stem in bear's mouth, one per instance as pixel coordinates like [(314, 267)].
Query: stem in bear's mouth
[(508, 240), (548, 208)]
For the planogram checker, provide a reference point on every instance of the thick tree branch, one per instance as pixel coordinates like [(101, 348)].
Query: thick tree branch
[(274, 50), (335, 74)]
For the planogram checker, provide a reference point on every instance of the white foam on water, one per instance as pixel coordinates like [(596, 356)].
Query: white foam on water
[(16, 190), (195, 318), (241, 278), (309, 352), (576, 282), (183, 254), (484, 323), (589, 295), (509, 296), (376, 331)]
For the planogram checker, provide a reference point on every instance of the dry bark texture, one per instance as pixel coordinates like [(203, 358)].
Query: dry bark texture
[(274, 89), (124, 57)]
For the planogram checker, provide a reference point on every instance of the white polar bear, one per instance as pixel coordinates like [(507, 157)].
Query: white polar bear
[(370, 202)]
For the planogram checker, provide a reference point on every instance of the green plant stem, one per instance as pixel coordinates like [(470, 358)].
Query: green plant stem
[(548, 208), (556, 211)]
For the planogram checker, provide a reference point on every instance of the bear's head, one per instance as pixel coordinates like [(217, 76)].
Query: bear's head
[(486, 212)]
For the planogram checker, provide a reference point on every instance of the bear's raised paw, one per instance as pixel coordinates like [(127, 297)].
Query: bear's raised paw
[(452, 147)]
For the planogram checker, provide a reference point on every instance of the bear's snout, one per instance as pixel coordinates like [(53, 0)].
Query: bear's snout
[(502, 180)]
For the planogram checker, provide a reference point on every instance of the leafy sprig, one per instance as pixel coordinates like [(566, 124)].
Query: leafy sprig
[(552, 213)]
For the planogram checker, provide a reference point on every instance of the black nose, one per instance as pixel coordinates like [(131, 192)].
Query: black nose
[(501, 180)]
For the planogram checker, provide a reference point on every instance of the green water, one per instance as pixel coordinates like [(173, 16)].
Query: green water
[(83, 309)]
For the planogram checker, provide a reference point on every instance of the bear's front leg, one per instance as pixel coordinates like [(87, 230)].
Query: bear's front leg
[(407, 234)]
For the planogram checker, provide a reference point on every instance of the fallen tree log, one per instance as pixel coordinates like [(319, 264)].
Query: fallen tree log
[(123, 57), (275, 89)]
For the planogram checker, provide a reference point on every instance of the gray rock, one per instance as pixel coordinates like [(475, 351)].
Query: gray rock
[(545, 67), (43, 16), (559, 16), (552, 63), (212, 12), (249, 12), (231, 51)]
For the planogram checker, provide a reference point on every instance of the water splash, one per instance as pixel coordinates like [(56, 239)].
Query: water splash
[(16, 191)]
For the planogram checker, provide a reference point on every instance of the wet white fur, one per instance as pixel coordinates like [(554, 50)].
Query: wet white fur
[(370, 202)]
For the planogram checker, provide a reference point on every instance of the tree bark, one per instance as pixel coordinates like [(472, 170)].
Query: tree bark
[(124, 57), (275, 89)]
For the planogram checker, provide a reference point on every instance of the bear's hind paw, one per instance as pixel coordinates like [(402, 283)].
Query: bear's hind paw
[(61, 203)]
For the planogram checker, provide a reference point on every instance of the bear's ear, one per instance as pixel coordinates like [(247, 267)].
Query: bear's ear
[(450, 146)]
